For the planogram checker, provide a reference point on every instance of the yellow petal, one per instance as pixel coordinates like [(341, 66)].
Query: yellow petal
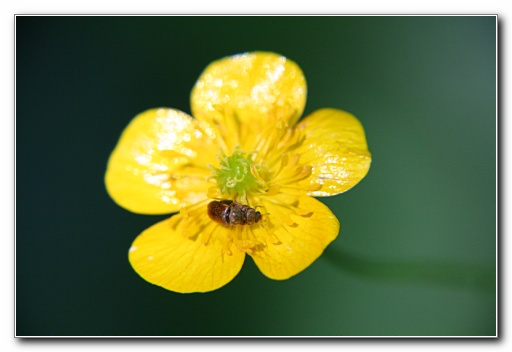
[(244, 94), (298, 229), (160, 162), (164, 256), (335, 147)]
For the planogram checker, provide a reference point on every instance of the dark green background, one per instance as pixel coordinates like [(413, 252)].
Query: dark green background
[(416, 253)]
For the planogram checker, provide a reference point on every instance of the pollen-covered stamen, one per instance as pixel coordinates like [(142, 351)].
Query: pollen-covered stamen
[(238, 174)]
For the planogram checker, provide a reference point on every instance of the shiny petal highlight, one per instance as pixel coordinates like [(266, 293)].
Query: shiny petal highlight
[(335, 147), (244, 94), (160, 162)]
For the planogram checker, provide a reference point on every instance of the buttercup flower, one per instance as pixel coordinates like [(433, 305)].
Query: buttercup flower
[(243, 145)]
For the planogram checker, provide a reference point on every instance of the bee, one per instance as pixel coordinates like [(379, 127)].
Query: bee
[(228, 212)]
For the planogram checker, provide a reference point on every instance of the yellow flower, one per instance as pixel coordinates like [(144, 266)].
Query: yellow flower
[(244, 145)]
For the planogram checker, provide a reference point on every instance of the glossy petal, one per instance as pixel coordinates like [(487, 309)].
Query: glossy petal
[(160, 162), (335, 147), (164, 256), (243, 95), (302, 227)]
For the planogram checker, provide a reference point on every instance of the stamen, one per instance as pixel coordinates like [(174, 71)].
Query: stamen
[(196, 222), (290, 222), (186, 211), (314, 187), (295, 160), (273, 239), (284, 163), (305, 213), (226, 249), (207, 235), (295, 208), (292, 173), (273, 190)]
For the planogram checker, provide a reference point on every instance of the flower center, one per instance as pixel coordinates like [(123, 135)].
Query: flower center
[(237, 174)]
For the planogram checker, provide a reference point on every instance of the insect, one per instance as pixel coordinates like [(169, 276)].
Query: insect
[(228, 212)]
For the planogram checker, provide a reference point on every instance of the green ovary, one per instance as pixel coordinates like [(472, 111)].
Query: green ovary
[(234, 175)]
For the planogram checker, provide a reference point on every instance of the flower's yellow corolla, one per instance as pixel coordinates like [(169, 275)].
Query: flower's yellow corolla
[(244, 145)]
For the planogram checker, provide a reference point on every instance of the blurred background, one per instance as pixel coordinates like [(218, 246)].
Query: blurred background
[(416, 254)]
